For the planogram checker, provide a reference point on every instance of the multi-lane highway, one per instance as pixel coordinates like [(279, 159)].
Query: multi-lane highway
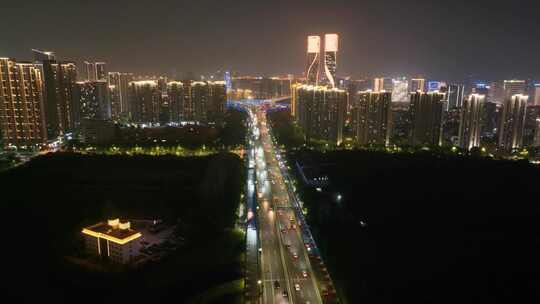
[(286, 275)]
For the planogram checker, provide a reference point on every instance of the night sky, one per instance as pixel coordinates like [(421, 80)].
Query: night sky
[(450, 39)]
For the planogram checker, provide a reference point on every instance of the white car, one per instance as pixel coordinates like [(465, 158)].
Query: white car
[(297, 287)]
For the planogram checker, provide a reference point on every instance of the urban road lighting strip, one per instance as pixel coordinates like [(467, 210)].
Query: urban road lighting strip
[(306, 257), (292, 195), (287, 206), (278, 233), (285, 268)]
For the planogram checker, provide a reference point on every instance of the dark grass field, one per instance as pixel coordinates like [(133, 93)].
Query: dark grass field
[(440, 229), (47, 201)]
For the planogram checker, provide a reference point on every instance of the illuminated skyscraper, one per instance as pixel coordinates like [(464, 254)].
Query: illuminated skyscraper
[(383, 84), (59, 81), (513, 122), (454, 96), (331, 46), (321, 112), (40, 55), (537, 94), (204, 101), (470, 124), (513, 87), (121, 82), (314, 60), (95, 71), (418, 84), (175, 93), (92, 100), (115, 101), (426, 112), (144, 101), (294, 100), (22, 120), (372, 118), (400, 91)]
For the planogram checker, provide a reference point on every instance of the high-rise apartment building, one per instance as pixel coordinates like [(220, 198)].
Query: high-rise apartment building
[(512, 122), (372, 118), (59, 81), (40, 55), (144, 101), (514, 87), (93, 100), (175, 94), (115, 101), (426, 112), (383, 84), (22, 115), (455, 95), (418, 84), (470, 125), (400, 90), (121, 83), (95, 71), (205, 101), (294, 100), (537, 94), (321, 113)]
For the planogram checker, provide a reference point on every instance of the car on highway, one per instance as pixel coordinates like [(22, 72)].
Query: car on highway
[(295, 255), (276, 284), (285, 294), (297, 287), (304, 273)]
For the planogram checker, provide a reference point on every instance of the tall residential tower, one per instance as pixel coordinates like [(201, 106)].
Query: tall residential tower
[(314, 60)]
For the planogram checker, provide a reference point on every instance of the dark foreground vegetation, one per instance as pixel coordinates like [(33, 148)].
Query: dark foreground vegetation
[(47, 201), (228, 135), (427, 228)]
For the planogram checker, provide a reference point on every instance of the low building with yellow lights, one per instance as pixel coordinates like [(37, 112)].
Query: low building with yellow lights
[(114, 240)]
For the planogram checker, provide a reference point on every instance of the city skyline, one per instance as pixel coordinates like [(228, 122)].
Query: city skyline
[(377, 39)]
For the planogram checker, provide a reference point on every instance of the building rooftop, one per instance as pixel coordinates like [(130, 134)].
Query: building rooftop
[(113, 230)]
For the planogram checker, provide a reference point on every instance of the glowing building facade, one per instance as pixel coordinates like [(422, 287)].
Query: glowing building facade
[(513, 87), (426, 113), (331, 46), (418, 84), (470, 125), (175, 94), (92, 100), (95, 71), (383, 84), (400, 90), (59, 81), (454, 96), (313, 60), (113, 240), (144, 101), (513, 122), (372, 118), (22, 121), (121, 81), (321, 113)]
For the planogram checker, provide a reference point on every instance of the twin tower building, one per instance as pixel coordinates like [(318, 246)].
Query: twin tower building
[(322, 71), (318, 105)]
